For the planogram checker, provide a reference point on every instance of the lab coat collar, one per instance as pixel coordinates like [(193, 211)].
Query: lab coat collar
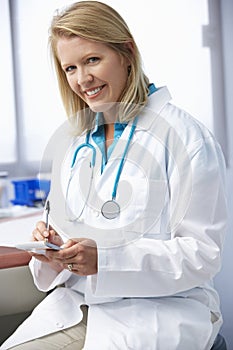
[(156, 102), (157, 99)]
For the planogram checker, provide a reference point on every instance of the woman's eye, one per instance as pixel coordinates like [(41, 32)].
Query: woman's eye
[(70, 69), (93, 60)]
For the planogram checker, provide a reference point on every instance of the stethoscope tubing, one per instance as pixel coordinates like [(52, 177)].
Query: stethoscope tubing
[(92, 164)]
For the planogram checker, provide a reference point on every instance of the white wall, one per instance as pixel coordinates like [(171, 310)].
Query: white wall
[(224, 280)]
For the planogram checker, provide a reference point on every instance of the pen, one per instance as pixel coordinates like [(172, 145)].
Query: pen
[(47, 209)]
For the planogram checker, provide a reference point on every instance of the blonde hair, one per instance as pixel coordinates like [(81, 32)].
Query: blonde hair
[(99, 22)]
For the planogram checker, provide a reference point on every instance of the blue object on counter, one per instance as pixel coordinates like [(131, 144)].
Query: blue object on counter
[(30, 192)]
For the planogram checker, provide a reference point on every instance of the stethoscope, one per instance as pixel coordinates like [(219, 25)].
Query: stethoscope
[(110, 209)]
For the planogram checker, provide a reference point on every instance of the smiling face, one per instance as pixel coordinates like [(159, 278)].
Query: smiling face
[(94, 71)]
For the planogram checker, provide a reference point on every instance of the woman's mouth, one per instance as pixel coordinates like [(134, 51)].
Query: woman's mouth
[(94, 91)]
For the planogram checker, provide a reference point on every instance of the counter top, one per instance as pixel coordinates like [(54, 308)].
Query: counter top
[(16, 230), (12, 257)]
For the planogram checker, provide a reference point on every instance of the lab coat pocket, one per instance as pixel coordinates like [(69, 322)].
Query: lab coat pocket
[(147, 206)]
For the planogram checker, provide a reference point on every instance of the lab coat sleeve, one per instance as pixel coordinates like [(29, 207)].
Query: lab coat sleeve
[(45, 278), (192, 256)]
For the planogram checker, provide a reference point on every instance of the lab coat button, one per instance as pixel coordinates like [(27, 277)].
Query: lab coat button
[(96, 213), (59, 325)]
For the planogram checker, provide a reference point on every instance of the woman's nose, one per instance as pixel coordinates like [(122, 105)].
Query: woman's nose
[(84, 76)]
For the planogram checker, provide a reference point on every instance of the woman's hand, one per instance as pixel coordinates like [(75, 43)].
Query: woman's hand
[(40, 234), (78, 255)]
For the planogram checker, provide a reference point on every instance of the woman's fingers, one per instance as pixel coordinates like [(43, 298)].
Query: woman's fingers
[(55, 238), (40, 232), (79, 257)]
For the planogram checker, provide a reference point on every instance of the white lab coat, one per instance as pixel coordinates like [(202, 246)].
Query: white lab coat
[(153, 289)]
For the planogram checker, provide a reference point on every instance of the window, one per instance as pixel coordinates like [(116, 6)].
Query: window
[(7, 110)]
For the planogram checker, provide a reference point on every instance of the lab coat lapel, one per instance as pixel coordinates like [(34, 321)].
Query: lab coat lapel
[(155, 104), (147, 117)]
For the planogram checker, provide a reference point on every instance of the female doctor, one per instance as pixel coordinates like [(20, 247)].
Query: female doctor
[(137, 204)]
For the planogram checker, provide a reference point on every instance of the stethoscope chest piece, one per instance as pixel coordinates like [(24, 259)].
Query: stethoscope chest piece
[(110, 209)]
